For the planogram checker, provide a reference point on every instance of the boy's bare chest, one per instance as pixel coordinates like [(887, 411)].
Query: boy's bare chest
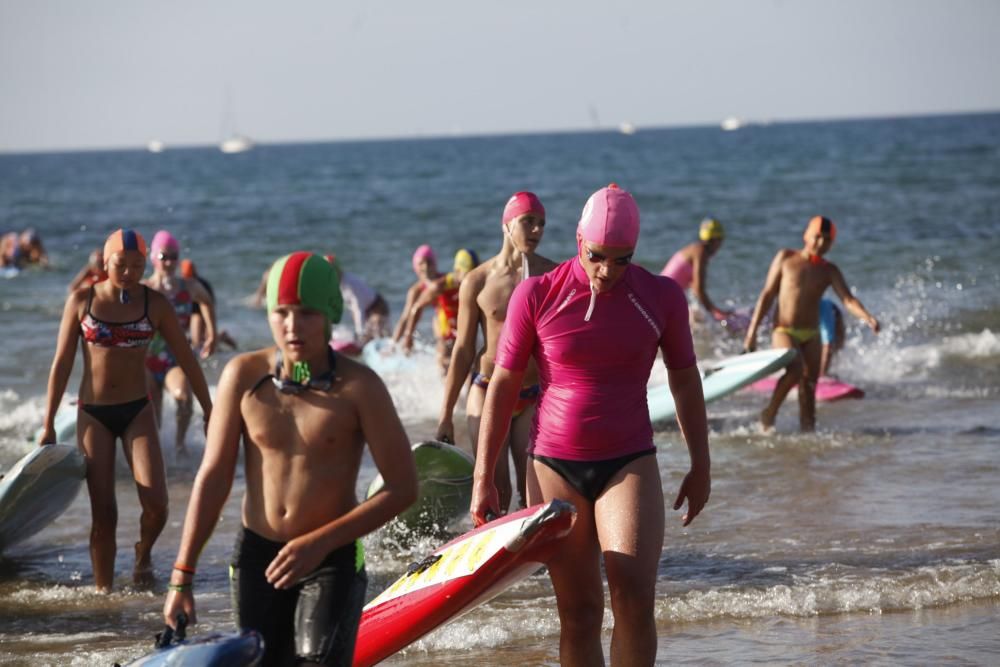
[(311, 421), (495, 296)]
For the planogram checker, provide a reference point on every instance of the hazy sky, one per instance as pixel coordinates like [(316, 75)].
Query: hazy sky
[(103, 73)]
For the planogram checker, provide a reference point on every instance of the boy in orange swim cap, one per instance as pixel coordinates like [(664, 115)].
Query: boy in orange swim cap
[(798, 279)]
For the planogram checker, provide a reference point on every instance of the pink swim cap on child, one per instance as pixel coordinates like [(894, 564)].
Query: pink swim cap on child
[(610, 218), (163, 240), (422, 253), (521, 203)]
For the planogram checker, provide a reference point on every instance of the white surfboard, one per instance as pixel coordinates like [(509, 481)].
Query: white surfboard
[(721, 378), (38, 489)]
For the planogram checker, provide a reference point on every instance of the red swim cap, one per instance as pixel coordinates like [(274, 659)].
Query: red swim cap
[(820, 225)]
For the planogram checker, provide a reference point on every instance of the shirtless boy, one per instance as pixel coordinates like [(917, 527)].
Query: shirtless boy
[(482, 305), (304, 414), (798, 279)]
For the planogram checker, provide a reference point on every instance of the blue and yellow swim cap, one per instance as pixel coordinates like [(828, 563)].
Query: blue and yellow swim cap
[(466, 260), (711, 229)]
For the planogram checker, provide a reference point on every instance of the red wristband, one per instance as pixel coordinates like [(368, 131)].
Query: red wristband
[(186, 569)]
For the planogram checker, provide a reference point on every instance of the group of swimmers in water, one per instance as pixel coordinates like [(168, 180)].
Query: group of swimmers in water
[(558, 378), (19, 250)]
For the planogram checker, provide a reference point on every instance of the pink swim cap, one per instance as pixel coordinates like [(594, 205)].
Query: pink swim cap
[(610, 218), (422, 253), (521, 203), (163, 240)]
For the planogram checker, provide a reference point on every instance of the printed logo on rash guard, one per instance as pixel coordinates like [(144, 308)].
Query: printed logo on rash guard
[(566, 300), (638, 306)]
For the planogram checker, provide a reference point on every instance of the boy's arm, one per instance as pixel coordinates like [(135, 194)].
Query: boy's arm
[(390, 450), (211, 488), (422, 300), (850, 301), (404, 316), (260, 295), (771, 285), (464, 352)]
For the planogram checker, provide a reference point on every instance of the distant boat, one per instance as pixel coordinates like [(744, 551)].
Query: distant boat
[(155, 146), (627, 128), (233, 141), (732, 123), (237, 143)]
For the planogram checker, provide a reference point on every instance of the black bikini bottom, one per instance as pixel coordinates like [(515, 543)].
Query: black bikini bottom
[(116, 417)]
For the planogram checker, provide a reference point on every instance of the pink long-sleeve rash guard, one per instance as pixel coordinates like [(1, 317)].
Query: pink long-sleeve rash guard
[(594, 373)]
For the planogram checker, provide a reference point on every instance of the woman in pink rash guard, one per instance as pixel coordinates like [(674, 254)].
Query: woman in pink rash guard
[(594, 325)]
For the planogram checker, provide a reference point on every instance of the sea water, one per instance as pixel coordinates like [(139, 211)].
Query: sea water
[(874, 540)]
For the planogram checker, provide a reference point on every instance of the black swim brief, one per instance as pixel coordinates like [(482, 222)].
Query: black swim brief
[(590, 478), (316, 620)]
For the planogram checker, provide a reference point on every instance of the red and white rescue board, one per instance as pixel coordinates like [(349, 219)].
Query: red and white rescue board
[(461, 575), (827, 388)]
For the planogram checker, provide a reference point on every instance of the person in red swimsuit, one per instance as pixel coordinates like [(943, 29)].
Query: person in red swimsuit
[(91, 274), (438, 289), (161, 362), (116, 319)]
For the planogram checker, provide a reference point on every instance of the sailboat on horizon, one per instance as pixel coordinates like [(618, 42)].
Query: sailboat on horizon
[(233, 141)]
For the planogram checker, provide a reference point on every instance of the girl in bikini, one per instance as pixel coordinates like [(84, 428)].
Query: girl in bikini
[(117, 318)]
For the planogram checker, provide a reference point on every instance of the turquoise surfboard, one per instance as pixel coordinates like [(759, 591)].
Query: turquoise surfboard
[(37, 489), (721, 378), (65, 424)]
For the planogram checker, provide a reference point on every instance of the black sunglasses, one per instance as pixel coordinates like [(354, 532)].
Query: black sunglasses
[(322, 383), (164, 255), (597, 258)]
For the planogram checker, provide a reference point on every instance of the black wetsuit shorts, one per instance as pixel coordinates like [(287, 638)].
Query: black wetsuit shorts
[(316, 620)]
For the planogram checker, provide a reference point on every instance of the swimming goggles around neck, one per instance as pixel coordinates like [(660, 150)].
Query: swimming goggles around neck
[(323, 382)]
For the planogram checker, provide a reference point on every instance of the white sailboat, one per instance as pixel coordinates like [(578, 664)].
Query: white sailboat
[(236, 143), (732, 123), (155, 146), (233, 141)]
